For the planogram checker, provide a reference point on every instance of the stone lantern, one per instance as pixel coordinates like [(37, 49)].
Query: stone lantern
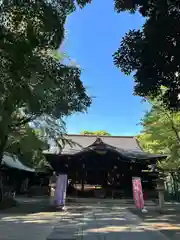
[(160, 189)]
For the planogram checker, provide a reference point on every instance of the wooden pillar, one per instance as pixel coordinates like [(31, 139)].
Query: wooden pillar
[(82, 177)]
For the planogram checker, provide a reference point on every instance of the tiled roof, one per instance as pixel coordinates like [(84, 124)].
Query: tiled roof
[(126, 145), (83, 141)]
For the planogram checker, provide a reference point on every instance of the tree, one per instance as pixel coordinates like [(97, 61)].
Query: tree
[(161, 134), (27, 145), (33, 81), (96, 133), (152, 54)]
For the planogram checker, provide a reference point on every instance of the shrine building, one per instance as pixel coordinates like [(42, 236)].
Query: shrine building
[(108, 163)]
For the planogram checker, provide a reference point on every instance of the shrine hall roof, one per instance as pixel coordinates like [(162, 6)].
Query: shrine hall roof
[(126, 145)]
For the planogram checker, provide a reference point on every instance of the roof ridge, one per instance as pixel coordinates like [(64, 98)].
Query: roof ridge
[(111, 136)]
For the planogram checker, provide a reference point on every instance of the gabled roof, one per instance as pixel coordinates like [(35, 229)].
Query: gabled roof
[(124, 142), (83, 141), (127, 146)]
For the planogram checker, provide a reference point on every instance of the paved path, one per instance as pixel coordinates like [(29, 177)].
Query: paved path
[(102, 222), (31, 221), (95, 221), (168, 222)]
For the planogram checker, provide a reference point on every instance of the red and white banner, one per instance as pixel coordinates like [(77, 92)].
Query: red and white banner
[(137, 192)]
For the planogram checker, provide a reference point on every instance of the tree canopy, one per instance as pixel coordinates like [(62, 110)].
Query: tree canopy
[(152, 53), (161, 134), (97, 133), (34, 81), (27, 145)]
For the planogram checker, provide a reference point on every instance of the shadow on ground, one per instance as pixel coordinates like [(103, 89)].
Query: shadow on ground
[(34, 220), (101, 221), (29, 208), (167, 222), (30, 219)]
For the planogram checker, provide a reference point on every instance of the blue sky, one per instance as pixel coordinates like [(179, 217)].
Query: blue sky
[(93, 35)]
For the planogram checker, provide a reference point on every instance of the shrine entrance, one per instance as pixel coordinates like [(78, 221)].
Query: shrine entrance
[(105, 171)]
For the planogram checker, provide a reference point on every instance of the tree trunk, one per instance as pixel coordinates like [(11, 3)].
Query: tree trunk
[(2, 146), (5, 124), (176, 132), (175, 186)]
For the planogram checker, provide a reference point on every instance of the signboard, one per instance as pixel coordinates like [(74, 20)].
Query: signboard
[(61, 186), (137, 192)]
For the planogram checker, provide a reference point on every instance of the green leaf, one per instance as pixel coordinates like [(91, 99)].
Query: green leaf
[(161, 134)]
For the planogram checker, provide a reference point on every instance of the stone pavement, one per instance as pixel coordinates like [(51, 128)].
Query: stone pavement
[(34, 221), (167, 222), (102, 221)]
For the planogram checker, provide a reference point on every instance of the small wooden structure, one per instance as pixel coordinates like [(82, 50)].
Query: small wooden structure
[(107, 163), (14, 176)]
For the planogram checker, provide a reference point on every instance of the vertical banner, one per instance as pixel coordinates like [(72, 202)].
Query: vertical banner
[(61, 186), (137, 192)]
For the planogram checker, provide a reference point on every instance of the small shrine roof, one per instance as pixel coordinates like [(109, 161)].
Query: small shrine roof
[(13, 161)]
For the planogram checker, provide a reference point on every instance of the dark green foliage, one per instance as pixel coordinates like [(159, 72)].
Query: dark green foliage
[(125, 5), (27, 143), (145, 7), (33, 81), (153, 53)]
